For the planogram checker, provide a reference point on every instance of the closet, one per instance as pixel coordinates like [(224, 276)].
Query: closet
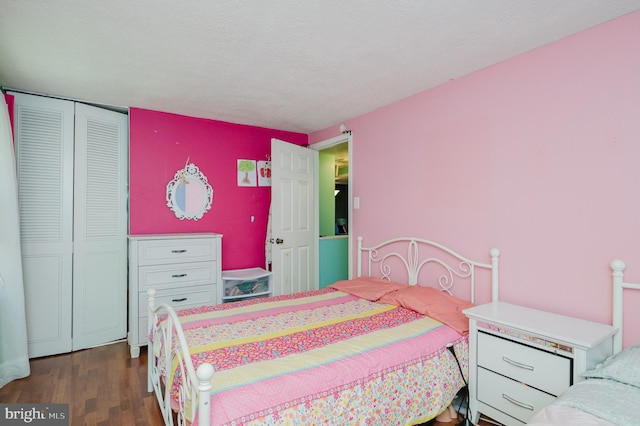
[(72, 188)]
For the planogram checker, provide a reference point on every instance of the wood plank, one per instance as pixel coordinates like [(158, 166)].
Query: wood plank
[(102, 385)]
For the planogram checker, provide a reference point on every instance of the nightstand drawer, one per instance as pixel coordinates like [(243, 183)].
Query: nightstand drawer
[(542, 370), (159, 252), (178, 275), (510, 397)]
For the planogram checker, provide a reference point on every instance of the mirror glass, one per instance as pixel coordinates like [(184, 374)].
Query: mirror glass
[(189, 194)]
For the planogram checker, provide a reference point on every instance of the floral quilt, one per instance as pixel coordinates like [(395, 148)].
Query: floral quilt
[(322, 357)]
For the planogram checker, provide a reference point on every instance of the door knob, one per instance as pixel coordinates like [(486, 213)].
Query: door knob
[(279, 241)]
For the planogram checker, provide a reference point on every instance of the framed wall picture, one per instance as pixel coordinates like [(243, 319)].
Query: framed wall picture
[(246, 173), (264, 173)]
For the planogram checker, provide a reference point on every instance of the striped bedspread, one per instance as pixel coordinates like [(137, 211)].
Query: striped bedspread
[(322, 357)]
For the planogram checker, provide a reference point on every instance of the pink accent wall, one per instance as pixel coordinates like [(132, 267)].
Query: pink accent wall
[(10, 99), (538, 156), (160, 144)]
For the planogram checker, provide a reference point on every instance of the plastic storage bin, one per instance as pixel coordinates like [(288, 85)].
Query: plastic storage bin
[(242, 284)]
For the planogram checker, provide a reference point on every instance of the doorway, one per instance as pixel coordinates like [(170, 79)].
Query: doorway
[(334, 208)]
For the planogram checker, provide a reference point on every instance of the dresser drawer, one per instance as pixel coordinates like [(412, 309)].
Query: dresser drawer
[(178, 275), (510, 397), (179, 300), (188, 297), (158, 252), (541, 369)]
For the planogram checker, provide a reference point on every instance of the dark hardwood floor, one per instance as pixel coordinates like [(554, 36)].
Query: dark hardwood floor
[(103, 386), (460, 419)]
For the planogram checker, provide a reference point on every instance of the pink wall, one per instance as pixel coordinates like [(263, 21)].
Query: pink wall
[(160, 144), (538, 156), (10, 99)]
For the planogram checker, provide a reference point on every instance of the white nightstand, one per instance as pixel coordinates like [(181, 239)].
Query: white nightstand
[(521, 359)]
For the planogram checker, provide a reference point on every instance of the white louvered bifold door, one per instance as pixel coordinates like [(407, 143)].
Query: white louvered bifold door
[(100, 227), (73, 222), (44, 130)]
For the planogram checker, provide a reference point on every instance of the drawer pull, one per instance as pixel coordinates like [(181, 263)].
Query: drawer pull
[(179, 300), (517, 364), (178, 275), (179, 251), (518, 403)]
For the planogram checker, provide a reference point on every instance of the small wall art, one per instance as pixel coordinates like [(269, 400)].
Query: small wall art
[(264, 173), (246, 173)]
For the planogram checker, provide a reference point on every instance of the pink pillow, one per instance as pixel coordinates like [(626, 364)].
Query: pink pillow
[(367, 287), (433, 303)]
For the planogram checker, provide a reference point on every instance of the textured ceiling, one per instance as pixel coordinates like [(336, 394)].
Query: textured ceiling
[(284, 64)]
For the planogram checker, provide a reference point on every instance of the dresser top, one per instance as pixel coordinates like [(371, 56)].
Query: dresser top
[(573, 331), (174, 236)]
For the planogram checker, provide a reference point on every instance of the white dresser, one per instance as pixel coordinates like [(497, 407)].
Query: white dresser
[(521, 359), (184, 269)]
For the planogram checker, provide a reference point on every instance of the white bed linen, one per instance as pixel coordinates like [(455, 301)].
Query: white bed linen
[(557, 415), (601, 399)]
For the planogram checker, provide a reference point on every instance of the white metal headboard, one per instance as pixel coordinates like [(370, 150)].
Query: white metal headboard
[(619, 285), (377, 256)]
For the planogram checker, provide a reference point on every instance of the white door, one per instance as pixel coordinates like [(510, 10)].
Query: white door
[(293, 218), (100, 227), (44, 159)]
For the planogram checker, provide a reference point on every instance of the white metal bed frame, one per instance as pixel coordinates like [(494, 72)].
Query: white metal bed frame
[(619, 285), (196, 384), (465, 269)]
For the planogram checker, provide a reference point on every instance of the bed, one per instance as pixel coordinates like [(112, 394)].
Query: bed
[(387, 347), (611, 391)]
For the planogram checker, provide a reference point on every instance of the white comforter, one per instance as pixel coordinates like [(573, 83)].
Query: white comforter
[(591, 402), (556, 415)]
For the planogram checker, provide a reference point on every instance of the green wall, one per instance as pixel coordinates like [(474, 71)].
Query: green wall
[(326, 197), (334, 260)]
